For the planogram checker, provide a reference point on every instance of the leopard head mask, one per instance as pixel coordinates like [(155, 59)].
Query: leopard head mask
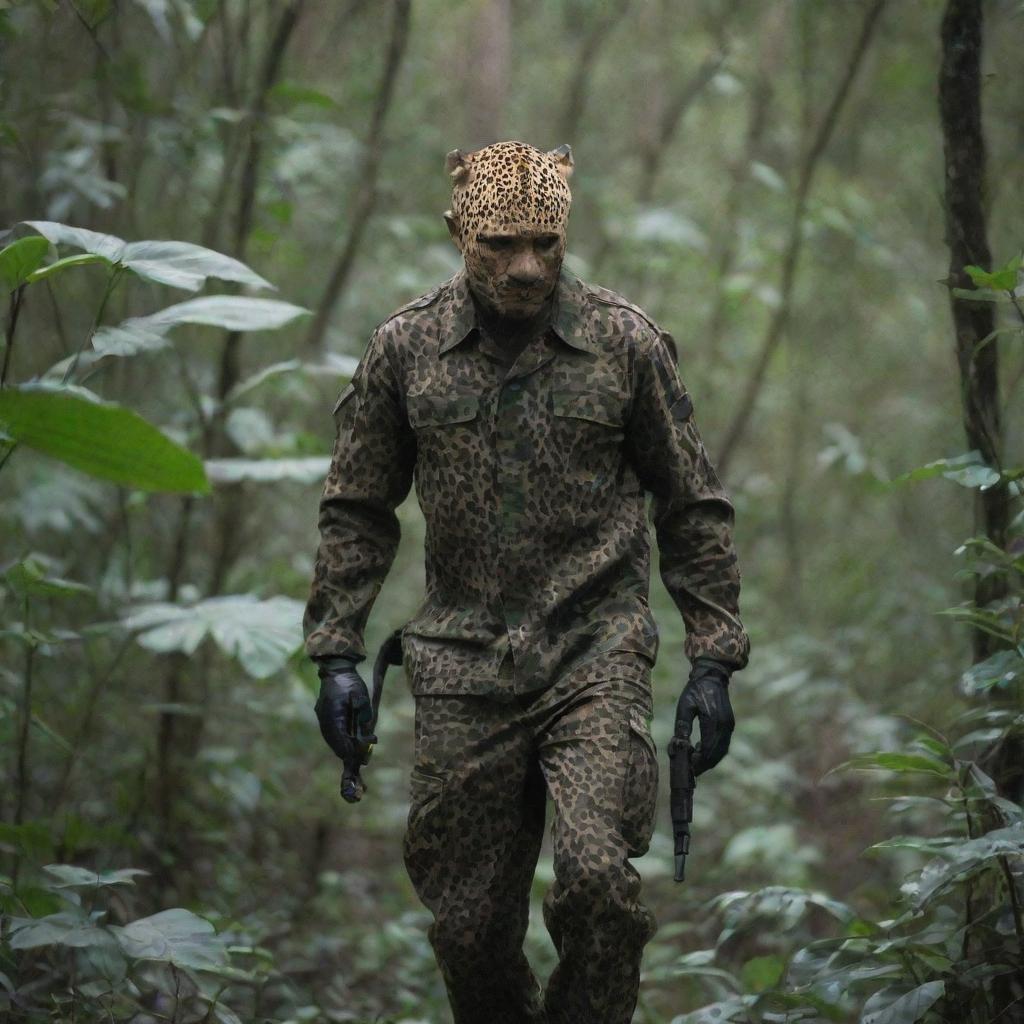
[(510, 208)]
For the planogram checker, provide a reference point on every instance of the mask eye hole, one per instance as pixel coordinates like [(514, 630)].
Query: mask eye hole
[(497, 243), (546, 243)]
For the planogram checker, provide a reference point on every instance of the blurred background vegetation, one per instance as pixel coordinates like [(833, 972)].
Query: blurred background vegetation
[(767, 180)]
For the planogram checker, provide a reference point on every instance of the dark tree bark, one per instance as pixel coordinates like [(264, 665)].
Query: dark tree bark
[(978, 360), (973, 322), (967, 238)]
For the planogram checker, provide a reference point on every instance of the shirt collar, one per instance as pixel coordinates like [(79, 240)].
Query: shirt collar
[(571, 314)]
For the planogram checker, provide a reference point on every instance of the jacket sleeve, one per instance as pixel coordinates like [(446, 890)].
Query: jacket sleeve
[(370, 475), (692, 514)]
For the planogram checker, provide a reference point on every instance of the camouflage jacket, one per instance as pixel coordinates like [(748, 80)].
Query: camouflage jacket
[(532, 477)]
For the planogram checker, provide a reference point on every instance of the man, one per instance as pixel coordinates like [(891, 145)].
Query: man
[(534, 412)]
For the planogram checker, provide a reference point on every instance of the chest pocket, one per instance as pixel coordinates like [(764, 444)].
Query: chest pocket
[(588, 426), (441, 409), (447, 433), (587, 418), (606, 408)]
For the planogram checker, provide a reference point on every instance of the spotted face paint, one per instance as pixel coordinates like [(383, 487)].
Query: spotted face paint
[(510, 208)]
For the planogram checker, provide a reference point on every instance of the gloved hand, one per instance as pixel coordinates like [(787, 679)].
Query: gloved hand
[(706, 696), (344, 712)]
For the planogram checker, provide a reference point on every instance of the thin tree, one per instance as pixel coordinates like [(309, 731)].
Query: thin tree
[(364, 200), (977, 351), (776, 326)]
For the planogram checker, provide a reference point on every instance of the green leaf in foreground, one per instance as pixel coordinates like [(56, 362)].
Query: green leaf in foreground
[(261, 634), (892, 1007), (20, 258), (232, 312), (67, 928), (1003, 279), (968, 470), (895, 762), (102, 439), (1000, 670), (28, 578), (958, 861), (174, 936), (58, 266), (178, 264), (70, 876)]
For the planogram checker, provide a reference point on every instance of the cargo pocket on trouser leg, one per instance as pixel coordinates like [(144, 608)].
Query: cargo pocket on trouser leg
[(640, 786), (425, 832)]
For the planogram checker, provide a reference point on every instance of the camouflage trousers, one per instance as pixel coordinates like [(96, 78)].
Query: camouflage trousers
[(483, 770)]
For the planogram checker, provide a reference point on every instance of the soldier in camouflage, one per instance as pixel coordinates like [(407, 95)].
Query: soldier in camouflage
[(534, 412)]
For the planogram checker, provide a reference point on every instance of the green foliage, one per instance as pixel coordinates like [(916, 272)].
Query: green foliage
[(847, 865), (102, 439), (261, 634), (71, 961), (20, 259), (178, 264)]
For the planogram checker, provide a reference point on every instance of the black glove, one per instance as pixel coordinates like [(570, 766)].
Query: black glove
[(344, 712), (706, 696)]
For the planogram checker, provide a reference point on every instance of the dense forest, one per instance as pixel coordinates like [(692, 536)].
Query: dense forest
[(206, 206)]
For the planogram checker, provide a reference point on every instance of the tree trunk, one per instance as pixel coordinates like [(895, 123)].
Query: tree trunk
[(978, 360), (967, 238)]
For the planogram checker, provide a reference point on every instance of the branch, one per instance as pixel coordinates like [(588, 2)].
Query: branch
[(593, 42), (762, 92), (366, 187), (774, 333)]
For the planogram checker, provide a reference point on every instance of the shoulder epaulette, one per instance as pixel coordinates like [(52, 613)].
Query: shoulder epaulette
[(427, 299), (610, 298)]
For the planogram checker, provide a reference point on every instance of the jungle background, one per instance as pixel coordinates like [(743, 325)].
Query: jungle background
[(780, 187)]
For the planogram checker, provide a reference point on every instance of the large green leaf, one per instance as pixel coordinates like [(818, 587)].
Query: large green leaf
[(70, 876), (110, 247), (891, 1006), (28, 578), (261, 634), (1000, 670), (174, 936), (19, 259), (334, 364), (892, 761), (232, 312), (102, 439), (1003, 279), (67, 928), (785, 903), (178, 264), (960, 860), (84, 259), (968, 470)]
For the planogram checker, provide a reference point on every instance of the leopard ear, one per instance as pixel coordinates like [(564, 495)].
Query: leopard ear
[(457, 166), (563, 158)]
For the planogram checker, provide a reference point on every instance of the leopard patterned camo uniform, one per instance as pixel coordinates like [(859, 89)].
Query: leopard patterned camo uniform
[(480, 778), (531, 654), (532, 480)]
